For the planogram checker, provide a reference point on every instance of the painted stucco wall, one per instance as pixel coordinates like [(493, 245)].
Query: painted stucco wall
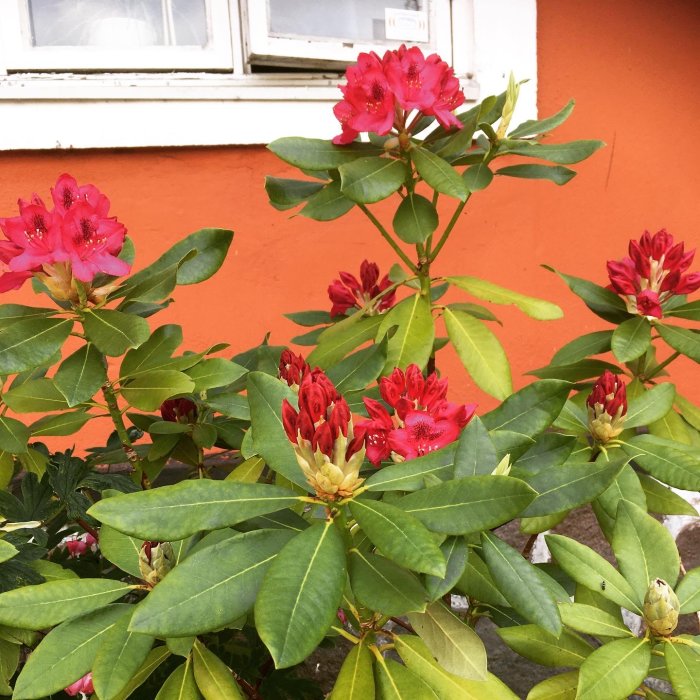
[(632, 66)]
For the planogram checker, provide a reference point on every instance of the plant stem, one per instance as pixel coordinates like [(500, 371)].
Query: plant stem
[(654, 372), (448, 229), (88, 528), (385, 234), (398, 621), (116, 416)]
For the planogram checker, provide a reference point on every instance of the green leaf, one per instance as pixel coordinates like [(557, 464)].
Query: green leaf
[(542, 647), (480, 352), (81, 375), (415, 219), (688, 592), (66, 653), (615, 670), (148, 391), (368, 180), (119, 656), (690, 311), (570, 485), (488, 291), (470, 504), (590, 569), (121, 550), (570, 152), (11, 313), (300, 594), (34, 396), (316, 154), (265, 396), (439, 174), (683, 340), (28, 344), (631, 339), (380, 584), (557, 174), (455, 645), (666, 461), (683, 664), (574, 372), (396, 682), (454, 550), (175, 512), (156, 657), (7, 551), (476, 453), (114, 332), (13, 435), (180, 684), (328, 204), (154, 287), (534, 127), (211, 588), (285, 193), (413, 340), (660, 499), (399, 536), (644, 549), (560, 687), (62, 424), (47, 604), (477, 177), (309, 318), (356, 371), (411, 475), (591, 620), (156, 353), (214, 372), (214, 678), (355, 680), (341, 338), (580, 348), (520, 583), (476, 582)]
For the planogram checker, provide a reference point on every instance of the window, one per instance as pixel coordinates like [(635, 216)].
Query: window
[(125, 73)]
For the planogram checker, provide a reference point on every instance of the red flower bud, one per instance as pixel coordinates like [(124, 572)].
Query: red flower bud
[(179, 411)]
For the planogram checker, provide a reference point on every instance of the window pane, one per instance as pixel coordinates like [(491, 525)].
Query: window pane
[(118, 23), (356, 20)]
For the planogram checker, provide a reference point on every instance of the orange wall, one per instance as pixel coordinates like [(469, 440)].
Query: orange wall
[(630, 64)]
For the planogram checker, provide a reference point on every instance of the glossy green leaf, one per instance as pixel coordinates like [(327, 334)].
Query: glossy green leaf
[(520, 583), (358, 370), (30, 343), (214, 679), (328, 204), (341, 338), (666, 461), (46, 604), (415, 219), (156, 657), (631, 339), (119, 656), (591, 620), (180, 684), (557, 174), (175, 512), (542, 647), (66, 653), (317, 154), (476, 453), (477, 582), (661, 499), (121, 550), (470, 504), (12, 313), (355, 680), (438, 173), (81, 375), (265, 396), (477, 177), (62, 424), (644, 549), (148, 391), (399, 536), (413, 340), (683, 665), (534, 127), (488, 291), (248, 472), (480, 352), (285, 193), (155, 353), (368, 180), (412, 475), (566, 153), (454, 550), (625, 487), (583, 346), (396, 682), (684, 340), (309, 318), (455, 645), (214, 372), (380, 584), (590, 569), (615, 670), (34, 396), (14, 436), (152, 287), (691, 311), (688, 591), (211, 588), (560, 687), (574, 372), (300, 594), (114, 332)]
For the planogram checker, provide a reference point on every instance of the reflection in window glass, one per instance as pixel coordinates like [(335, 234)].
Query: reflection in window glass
[(118, 23), (359, 20)]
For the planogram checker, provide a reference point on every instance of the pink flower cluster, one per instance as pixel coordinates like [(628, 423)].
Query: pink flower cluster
[(348, 292), (82, 685), (76, 545), (380, 93), (653, 272), (423, 420), (77, 231)]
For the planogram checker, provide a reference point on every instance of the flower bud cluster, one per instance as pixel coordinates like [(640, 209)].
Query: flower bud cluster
[(607, 407), (423, 421), (380, 93), (348, 292), (321, 432), (179, 410), (292, 369), (156, 559), (74, 240), (653, 273), (661, 608)]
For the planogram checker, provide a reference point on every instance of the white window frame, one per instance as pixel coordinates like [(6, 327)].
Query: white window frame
[(57, 110)]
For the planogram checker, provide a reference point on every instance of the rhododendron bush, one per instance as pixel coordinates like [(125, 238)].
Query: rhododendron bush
[(269, 503)]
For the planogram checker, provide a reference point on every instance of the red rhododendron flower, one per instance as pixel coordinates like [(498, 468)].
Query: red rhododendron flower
[(423, 421), (82, 685), (380, 94), (347, 292), (8, 278), (607, 407), (653, 273)]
